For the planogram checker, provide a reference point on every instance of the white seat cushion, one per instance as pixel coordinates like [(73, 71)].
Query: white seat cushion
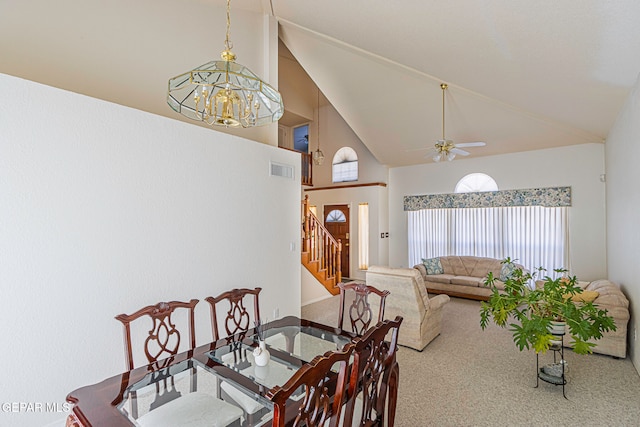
[(250, 406), (192, 410)]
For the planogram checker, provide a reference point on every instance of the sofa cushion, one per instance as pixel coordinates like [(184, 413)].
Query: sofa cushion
[(453, 265), (481, 266), (441, 278), (471, 266), (497, 283), (610, 293), (467, 281), (433, 265)]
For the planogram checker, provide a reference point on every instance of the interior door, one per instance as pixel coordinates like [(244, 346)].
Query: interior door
[(336, 221)]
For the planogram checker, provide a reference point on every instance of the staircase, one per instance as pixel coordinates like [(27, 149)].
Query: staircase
[(321, 253)]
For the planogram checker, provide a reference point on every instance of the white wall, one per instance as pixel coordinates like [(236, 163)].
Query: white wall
[(297, 89), (623, 205), (311, 289), (137, 62), (335, 133), (105, 209), (579, 167)]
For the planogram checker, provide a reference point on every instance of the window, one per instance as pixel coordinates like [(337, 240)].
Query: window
[(363, 236), (476, 182), (345, 165), (336, 216), (301, 138), (535, 236)]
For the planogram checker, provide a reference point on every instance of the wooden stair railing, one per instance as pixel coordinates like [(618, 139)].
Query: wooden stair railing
[(306, 170), (321, 252), (306, 167)]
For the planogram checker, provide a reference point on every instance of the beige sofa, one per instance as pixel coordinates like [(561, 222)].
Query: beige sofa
[(408, 298), (611, 298), (463, 276)]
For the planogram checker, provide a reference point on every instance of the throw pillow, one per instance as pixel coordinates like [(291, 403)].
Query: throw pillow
[(505, 271), (585, 296), (433, 265)]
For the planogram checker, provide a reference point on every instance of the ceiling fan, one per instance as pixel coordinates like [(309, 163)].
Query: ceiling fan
[(445, 148)]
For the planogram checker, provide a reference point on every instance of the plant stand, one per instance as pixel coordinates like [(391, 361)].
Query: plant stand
[(553, 378)]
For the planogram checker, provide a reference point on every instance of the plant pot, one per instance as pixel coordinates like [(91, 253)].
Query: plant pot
[(556, 369), (557, 327)]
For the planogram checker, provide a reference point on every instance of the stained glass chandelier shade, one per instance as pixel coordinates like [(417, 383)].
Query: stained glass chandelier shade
[(225, 93)]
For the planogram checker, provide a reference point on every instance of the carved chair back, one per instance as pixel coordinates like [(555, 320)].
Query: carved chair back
[(162, 342), (163, 339), (375, 374), (324, 392), (360, 312), (238, 319)]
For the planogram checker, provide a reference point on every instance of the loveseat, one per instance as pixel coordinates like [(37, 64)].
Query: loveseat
[(610, 297), (463, 276), (422, 316)]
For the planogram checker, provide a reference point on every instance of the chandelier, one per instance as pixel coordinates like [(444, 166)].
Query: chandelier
[(225, 93), (318, 155)]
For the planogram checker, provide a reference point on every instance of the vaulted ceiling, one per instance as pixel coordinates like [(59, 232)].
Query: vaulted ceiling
[(522, 75)]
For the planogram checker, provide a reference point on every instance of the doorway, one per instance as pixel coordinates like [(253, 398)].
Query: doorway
[(336, 221)]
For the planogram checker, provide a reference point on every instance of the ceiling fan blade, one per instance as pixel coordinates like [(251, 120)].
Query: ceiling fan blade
[(459, 151), (430, 154), (471, 144)]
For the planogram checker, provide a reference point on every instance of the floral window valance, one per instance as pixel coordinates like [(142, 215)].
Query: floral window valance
[(547, 197)]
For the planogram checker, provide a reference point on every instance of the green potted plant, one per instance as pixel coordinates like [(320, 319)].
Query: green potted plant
[(529, 311)]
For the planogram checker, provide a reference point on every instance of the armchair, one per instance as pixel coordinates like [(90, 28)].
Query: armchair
[(408, 298)]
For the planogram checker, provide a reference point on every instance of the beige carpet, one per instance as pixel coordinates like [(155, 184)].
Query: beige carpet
[(470, 377)]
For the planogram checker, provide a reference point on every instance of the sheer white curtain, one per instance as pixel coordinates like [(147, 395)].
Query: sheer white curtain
[(536, 236)]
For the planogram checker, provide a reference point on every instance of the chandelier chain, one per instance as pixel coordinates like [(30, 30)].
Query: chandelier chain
[(227, 43), (318, 155)]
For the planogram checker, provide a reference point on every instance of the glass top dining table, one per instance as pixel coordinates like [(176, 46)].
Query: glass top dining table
[(291, 342)]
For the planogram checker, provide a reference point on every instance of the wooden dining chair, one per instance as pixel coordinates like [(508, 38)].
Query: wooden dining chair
[(323, 392), (238, 319), (237, 322), (360, 312), (164, 338), (161, 343), (375, 375)]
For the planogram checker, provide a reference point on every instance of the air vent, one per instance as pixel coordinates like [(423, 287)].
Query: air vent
[(278, 169)]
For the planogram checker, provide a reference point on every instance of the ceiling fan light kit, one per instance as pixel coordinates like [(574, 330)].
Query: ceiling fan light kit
[(445, 148)]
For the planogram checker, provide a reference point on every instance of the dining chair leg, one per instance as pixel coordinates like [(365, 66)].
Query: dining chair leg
[(393, 394)]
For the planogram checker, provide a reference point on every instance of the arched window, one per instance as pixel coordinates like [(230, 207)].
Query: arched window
[(475, 182), (336, 216), (345, 165)]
